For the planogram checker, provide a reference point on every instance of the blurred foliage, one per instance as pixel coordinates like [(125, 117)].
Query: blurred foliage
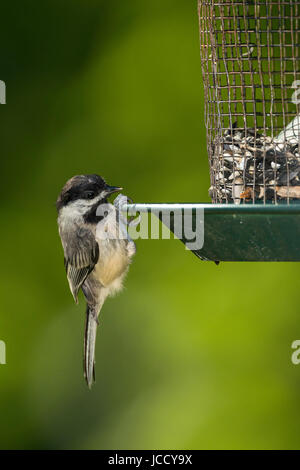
[(190, 355)]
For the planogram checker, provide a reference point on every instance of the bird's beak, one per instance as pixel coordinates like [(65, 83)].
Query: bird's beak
[(112, 189)]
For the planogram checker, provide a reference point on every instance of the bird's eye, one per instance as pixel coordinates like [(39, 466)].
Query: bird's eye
[(90, 194)]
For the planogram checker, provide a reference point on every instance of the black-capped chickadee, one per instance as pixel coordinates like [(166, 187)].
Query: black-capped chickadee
[(96, 258)]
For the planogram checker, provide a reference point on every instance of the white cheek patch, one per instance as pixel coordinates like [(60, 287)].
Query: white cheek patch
[(79, 207)]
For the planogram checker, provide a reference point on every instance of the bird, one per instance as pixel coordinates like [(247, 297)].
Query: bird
[(96, 255)]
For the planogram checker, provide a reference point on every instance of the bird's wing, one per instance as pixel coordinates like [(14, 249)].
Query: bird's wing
[(81, 255)]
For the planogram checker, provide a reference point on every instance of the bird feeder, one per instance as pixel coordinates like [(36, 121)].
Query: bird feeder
[(250, 65), (251, 74)]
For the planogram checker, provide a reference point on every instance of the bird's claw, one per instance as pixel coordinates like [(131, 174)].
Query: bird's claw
[(119, 202)]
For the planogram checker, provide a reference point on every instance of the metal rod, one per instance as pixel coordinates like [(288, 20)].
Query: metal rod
[(214, 208)]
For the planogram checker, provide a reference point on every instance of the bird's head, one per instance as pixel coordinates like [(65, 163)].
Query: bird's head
[(82, 192)]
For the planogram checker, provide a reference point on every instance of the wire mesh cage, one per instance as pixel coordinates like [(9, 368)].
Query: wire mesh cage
[(251, 73)]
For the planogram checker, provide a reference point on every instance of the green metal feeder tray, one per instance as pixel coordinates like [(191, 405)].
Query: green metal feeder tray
[(246, 232)]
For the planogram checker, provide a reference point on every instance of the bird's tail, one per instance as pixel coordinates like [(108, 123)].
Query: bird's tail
[(89, 345)]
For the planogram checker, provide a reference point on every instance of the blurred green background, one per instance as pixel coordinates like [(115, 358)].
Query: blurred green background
[(190, 355)]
